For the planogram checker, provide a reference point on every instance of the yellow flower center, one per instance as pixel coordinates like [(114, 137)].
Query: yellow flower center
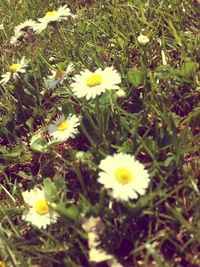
[(59, 74), (2, 264), (42, 207), (94, 79), (123, 176), (62, 126), (14, 67), (50, 13)]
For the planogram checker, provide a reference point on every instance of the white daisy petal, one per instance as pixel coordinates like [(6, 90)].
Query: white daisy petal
[(124, 175), (91, 84), (24, 25), (5, 78), (21, 29)]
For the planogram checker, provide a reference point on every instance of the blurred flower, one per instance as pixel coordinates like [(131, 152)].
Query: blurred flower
[(91, 84), (143, 39), (114, 263), (2, 264), (21, 29), (39, 213), (94, 225), (14, 71), (98, 255), (52, 16), (94, 228), (59, 76), (124, 175), (62, 129), (1, 28)]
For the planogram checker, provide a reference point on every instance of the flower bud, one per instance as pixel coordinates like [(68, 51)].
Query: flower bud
[(143, 39)]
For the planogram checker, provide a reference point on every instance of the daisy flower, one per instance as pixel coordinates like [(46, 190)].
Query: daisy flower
[(62, 129), (21, 30), (39, 213), (91, 84), (124, 175), (14, 70), (143, 39), (59, 76), (52, 16)]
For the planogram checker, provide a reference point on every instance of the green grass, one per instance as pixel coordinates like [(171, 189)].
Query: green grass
[(157, 122)]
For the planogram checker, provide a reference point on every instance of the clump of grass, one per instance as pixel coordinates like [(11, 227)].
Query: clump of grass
[(156, 120)]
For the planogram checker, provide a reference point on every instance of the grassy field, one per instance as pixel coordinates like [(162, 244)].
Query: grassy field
[(119, 173)]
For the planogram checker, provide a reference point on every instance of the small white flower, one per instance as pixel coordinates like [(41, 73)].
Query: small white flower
[(59, 76), (91, 84), (62, 129), (14, 70), (39, 213), (1, 27), (124, 175), (143, 39), (51, 16)]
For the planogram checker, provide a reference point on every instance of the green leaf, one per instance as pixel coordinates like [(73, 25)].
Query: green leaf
[(136, 77), (164, 72), (51, 144), (169, 161), (12, 153), (71, 212), (50, 190), (188, 69), (29, 123), (38, 144), (59, 182), (61, 91), (81, 26), (174, 31), (121, 42), (66, 108)]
